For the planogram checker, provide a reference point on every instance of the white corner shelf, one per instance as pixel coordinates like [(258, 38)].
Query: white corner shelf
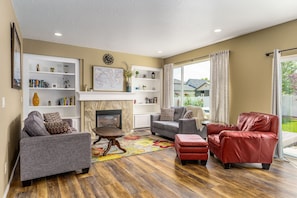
[(142, 109)]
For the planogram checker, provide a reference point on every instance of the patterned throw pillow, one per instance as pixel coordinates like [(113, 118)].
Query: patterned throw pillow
[(52, 117), (188, 114), (167, 114), (57, 127)]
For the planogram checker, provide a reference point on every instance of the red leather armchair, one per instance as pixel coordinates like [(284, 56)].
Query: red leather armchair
[(252, 140)]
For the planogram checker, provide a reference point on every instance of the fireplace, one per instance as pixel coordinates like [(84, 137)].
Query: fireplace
[(109, 118)]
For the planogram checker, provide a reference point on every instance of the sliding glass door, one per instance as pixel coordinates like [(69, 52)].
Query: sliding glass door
[(289, 104)]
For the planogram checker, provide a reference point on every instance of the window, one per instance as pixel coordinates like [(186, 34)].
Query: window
[(289, 93), (192, 84)]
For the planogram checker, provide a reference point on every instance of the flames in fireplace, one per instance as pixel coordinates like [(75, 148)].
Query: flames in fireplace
[(109, 118)]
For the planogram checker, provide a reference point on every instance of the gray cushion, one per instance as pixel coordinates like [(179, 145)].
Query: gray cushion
[(34, 126), (167, 114), (166, 125), (178, 113), (36, 113)]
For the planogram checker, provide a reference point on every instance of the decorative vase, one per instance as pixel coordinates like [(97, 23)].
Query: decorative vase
[(128, 87), (35, 99)]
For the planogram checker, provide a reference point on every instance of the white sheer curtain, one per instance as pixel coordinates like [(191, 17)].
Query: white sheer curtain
[(276, 98), (168, 85), (219, 86)]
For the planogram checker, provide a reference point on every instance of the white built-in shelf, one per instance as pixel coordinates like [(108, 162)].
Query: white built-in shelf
[(146, 104), (53, 106), (50, 85), (152, 91), (145, 90), (52, 73), (52, 89)]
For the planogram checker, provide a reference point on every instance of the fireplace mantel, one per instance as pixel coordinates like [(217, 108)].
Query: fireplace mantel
[(97, 96)]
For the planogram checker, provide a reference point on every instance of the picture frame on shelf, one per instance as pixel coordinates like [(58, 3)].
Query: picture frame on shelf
[(16, 77), (108, 78)]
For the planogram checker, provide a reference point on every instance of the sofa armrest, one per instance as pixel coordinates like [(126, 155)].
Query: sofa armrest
[(213, 128), (42, 156), (187, 125), (155, 117), (247, 135)]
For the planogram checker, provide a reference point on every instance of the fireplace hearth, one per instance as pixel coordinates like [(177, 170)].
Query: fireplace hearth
[(109, 118)]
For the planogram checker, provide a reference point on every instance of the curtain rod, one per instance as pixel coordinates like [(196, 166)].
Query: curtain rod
[(191, 60), (269, 53), (197, 58)]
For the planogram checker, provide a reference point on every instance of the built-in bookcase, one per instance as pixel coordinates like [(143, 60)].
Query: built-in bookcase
[(56, 81)]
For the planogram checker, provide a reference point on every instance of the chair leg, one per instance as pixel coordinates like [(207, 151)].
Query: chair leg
[(183, 162), (203, 162), (227, 165), (153, 133), (27, 183), (85, 170), (265, 166), (211, 153)]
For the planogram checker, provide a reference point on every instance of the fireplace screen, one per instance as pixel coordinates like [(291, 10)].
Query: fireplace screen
[(109, 118)]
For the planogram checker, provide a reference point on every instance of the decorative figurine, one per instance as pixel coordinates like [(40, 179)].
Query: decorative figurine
[(153, 75)]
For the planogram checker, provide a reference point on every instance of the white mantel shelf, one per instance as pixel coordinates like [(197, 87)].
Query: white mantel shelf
[(97, 96)]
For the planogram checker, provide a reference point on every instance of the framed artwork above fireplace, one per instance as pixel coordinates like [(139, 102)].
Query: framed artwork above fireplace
[(108, 78)]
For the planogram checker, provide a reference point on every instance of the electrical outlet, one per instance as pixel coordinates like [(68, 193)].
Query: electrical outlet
[(5, 168)]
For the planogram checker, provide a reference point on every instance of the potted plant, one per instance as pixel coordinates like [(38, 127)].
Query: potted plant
[(136, 73)]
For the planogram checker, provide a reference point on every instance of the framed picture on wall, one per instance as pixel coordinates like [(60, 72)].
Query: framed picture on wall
[(108, 78), (16, 75)]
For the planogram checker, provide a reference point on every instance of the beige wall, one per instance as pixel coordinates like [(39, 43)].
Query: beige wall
[(250, 69), (90, 57), (10, 116)]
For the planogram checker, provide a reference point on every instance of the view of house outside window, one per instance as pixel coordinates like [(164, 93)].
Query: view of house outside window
[(192, 84)]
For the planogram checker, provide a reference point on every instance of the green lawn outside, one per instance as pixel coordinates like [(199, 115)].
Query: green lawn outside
[(289, 124)]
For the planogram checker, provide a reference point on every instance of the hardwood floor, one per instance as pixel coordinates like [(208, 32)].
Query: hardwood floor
[(160, 174)]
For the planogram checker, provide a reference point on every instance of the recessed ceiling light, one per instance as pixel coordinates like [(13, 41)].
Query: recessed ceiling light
[(58, 34), (217, 30), (159, 51)]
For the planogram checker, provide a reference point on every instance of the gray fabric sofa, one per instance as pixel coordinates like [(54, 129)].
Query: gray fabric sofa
[(178, 125), (44, 154)]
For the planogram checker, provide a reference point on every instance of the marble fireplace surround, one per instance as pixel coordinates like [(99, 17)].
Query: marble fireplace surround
[(92, 101)]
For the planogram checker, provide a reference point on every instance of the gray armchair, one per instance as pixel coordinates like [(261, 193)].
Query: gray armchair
[(44, 154)]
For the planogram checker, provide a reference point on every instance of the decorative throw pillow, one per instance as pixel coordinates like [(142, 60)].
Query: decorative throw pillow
[(58, 127), (167, 114), (52, 117), (34, 126), (178, 112), (36, 113), (188, 114)]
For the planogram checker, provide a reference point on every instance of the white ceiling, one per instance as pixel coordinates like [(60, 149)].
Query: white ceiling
[(144, 27)]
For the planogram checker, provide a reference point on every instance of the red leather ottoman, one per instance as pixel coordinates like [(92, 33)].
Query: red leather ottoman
[(191, 147)]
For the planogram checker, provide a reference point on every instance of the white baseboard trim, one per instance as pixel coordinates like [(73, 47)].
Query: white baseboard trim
[(11, 177)]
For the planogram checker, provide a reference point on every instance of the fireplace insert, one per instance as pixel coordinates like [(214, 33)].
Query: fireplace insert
[(109, 118)]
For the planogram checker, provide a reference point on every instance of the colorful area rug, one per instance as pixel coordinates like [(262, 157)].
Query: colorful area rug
[(134, 144)]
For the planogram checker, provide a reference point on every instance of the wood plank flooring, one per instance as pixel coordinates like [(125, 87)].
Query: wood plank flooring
[(160, 174)]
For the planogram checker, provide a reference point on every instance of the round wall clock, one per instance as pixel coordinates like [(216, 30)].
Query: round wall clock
[(108, 59)]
